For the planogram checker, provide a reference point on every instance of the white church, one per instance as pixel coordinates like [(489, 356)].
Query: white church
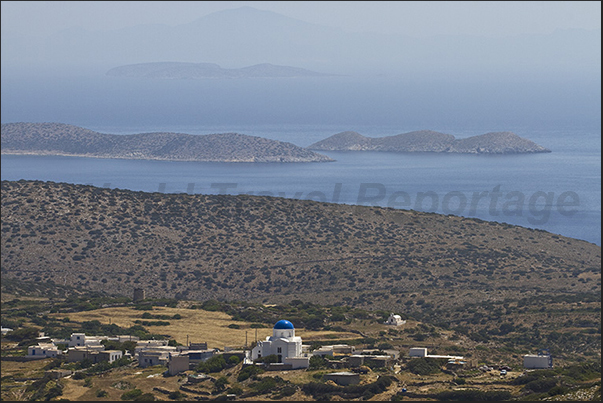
[(394, 320), (284, 344)]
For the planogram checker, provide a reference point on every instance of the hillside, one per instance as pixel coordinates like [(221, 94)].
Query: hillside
[(180, 70), (63, 139), (267, 249), (430, 141)]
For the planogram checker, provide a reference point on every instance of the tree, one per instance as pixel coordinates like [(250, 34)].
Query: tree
[(317, 362), (25, 334), (214, 364), (129, 346)]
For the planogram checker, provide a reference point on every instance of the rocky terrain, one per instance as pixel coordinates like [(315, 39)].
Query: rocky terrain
[(178, 70), (431, 141), (63, 139)]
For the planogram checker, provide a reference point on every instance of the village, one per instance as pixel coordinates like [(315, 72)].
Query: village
[(368, 356), (284, 350)]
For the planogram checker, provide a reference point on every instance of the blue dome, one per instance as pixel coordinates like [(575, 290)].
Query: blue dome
[(283, 324)]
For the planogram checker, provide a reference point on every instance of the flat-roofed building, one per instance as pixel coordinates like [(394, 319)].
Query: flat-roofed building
[(149, 358), (540, 361), (343, 378), (177, 364), (45, 350)]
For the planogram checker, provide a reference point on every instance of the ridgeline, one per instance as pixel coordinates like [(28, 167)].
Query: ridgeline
[(179, 70), (63, 139), (430, 141)]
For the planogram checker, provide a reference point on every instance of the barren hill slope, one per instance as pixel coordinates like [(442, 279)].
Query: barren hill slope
[(262, 248)]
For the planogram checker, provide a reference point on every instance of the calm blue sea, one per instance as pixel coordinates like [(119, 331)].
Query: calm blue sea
[(559, 192)]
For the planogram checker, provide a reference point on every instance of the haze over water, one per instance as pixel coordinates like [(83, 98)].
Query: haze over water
[(551, 97), (530, 186)]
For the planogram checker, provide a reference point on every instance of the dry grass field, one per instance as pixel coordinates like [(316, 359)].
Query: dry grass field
[(119, 381), (24, 369), (195, 326)]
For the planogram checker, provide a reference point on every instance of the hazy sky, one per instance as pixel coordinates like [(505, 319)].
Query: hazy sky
[(415, 18)]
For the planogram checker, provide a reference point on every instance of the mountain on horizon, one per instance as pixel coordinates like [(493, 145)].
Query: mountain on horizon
[(248, 36), (176, 70)]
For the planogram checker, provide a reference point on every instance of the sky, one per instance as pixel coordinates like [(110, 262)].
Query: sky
[(413, 18)]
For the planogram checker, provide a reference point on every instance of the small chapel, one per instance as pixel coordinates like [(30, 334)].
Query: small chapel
[(284, 344), (394, 320)]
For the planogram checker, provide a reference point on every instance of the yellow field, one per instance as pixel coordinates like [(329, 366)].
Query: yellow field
[(196, 326)]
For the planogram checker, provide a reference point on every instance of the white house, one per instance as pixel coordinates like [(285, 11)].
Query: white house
[(77, 340), (417, 352), (540, 361), (284, 344), (110, 355), (332, 350), (422, 352), (394, 320), (43, 350), (80, 340), (146, 344)]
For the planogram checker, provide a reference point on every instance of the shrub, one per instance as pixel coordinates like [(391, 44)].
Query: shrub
[(235, 390), (177, 395), (540, 385), (248, 372), (214, 364), (473, 395), (25, 334), (220, 383), (317, 362), (131, 394), (558, 390), (265, 385), (288, 390), (424, 366), (318, 390), (78, 376), (584, 371), (268, 359), (145, 397)]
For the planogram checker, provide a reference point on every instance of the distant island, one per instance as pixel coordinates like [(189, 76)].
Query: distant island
[(64, 139), (178, 70), (431, 141)]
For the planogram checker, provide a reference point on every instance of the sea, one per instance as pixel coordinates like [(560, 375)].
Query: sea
[(558, 192)]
